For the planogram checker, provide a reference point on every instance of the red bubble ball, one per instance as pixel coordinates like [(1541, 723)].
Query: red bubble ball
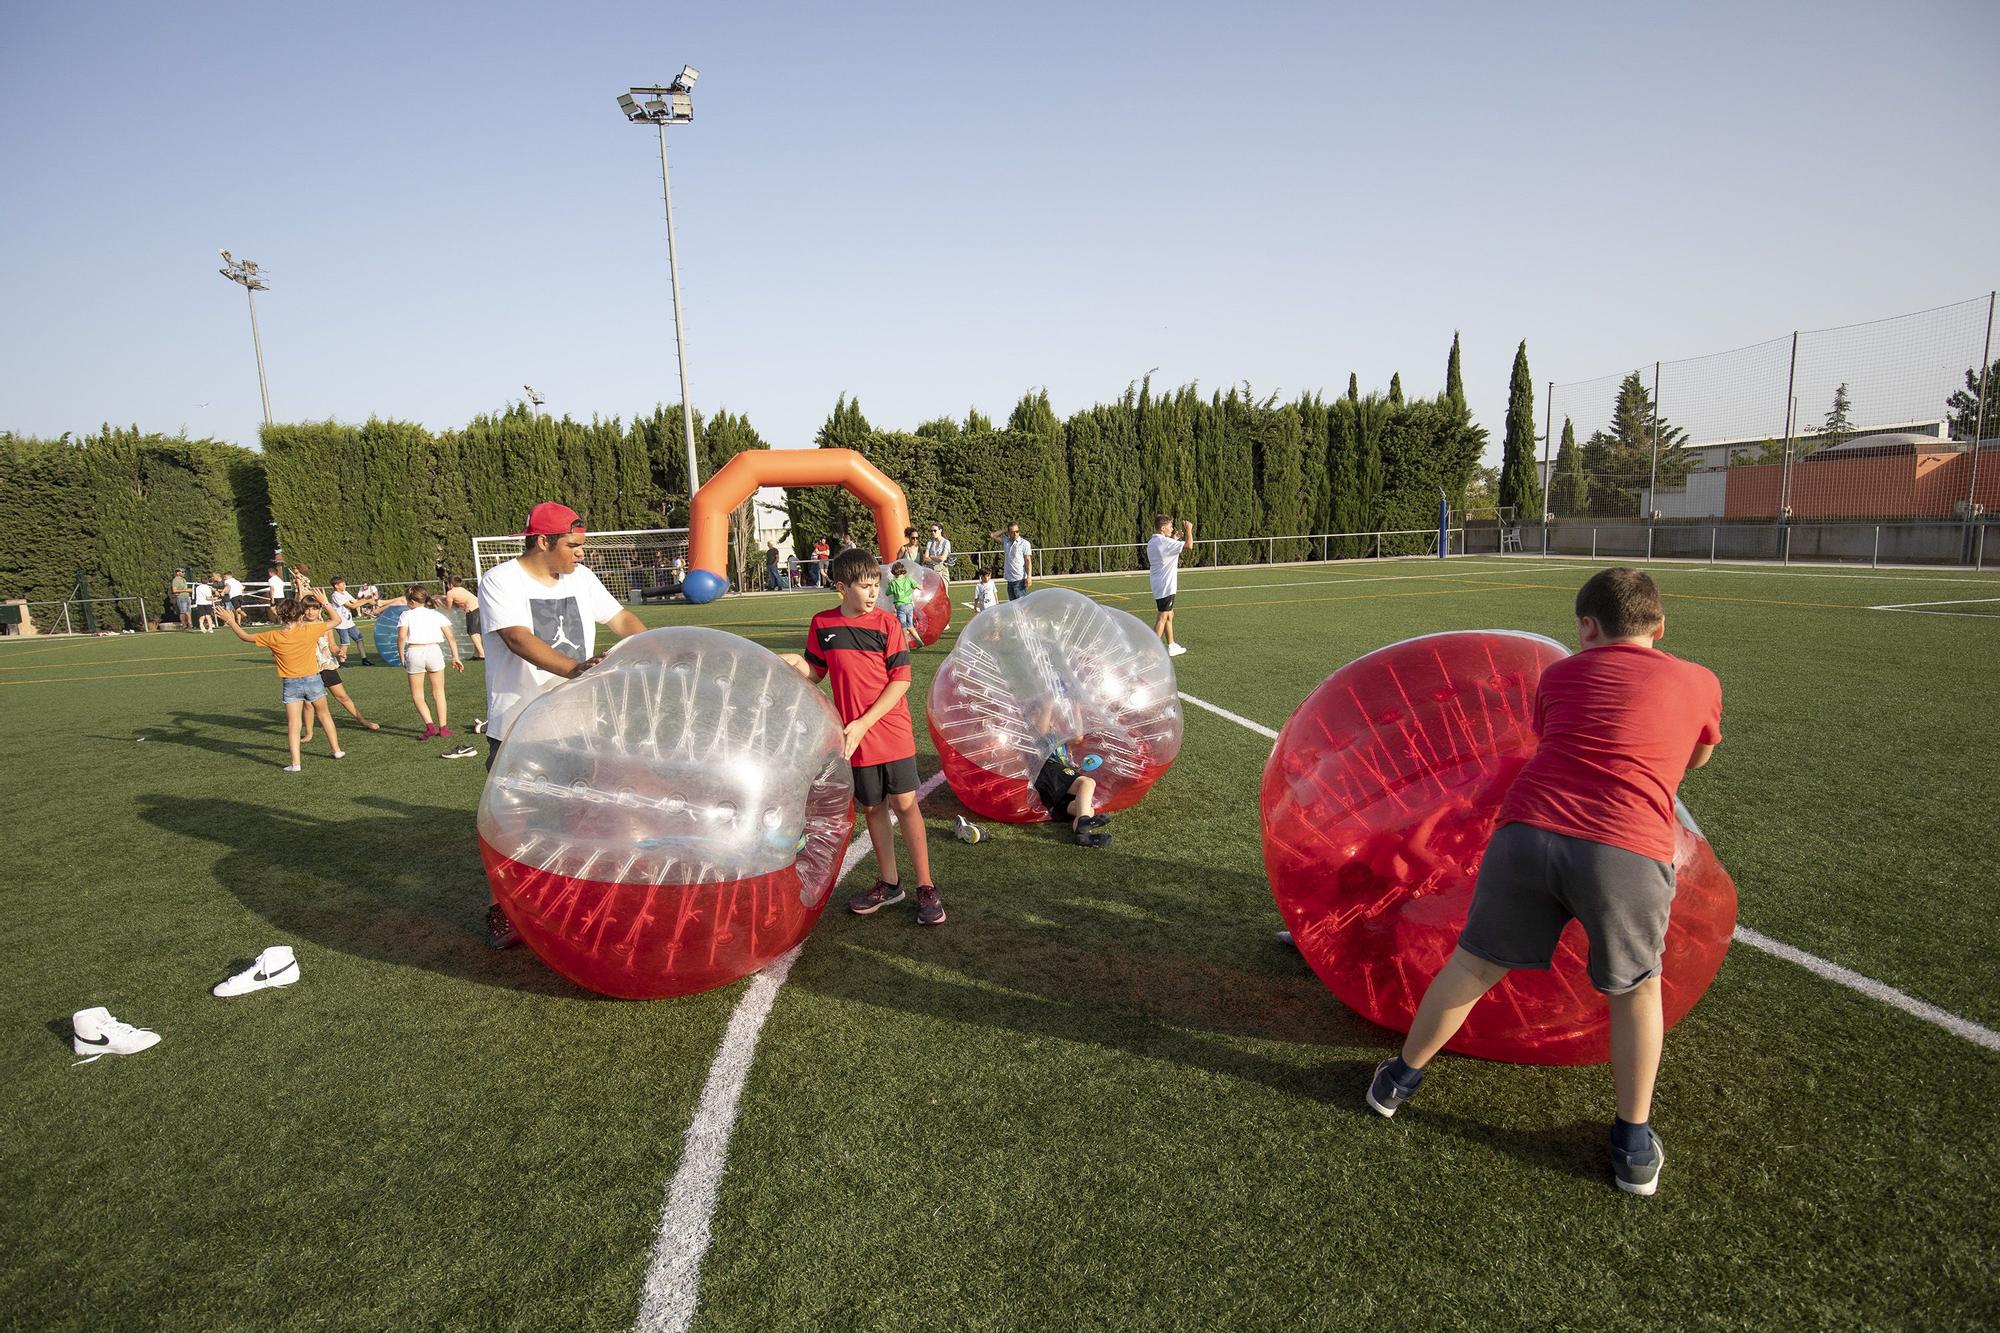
[(1378, 800)]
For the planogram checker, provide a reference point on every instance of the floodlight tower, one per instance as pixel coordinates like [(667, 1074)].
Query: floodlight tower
[(661, 107), (245, 271)]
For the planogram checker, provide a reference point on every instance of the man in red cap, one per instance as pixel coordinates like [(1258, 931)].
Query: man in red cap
[(540, 613)]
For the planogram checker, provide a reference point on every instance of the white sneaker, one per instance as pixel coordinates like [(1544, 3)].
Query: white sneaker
[(276, 966), (293, 768), (340, 754), (1175, 650), (96, 1032)]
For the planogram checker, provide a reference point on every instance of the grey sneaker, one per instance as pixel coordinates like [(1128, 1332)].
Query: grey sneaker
[(458, 752), (1385, 1095), (875, 899), (1639, 1172), (930, 905)]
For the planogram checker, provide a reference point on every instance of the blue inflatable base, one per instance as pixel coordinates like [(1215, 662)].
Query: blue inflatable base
[(702, 585)]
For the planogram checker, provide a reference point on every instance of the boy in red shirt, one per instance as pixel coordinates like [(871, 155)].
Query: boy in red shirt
[(860, 647), (1586, 831)]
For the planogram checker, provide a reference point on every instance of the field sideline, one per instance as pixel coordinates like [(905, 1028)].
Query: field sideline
[(1100, 1096)]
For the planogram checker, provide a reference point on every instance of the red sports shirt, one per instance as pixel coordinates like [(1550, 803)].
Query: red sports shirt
[(1617, 727), (862, 654)]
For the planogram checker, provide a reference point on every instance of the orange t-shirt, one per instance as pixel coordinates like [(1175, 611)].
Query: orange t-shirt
[(292, 647)]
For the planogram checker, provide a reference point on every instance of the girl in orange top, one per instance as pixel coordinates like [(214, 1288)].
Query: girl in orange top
[(293, 649)]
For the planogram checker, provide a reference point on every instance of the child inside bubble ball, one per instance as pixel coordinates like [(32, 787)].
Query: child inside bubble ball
[(1063, 783)]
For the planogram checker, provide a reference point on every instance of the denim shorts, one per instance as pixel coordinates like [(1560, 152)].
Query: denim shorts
[(347, 634), (301, 689)]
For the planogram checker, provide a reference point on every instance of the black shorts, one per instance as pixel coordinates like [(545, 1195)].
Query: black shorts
[(1164, 603), (329, 678), (492, 750), (1052, 788), (875, 783), (472, 622)]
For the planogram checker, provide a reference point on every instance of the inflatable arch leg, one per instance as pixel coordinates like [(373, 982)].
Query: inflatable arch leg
[(708, 526)]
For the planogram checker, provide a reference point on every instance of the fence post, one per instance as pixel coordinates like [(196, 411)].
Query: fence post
[(1271, 552), (1979, 417), (1649, 543), (1653, 483), (1712, 531), (145, 625), (1378, 546), (1875, 560), (1787, 530), (65, 620), (1593, 543), (1548, 469), (1785, 474), (1100, 559)]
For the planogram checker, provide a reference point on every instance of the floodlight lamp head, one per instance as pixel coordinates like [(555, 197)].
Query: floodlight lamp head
[(628, 106), (684, 81)]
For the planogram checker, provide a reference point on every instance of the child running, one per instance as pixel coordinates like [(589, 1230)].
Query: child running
[(421, 639), (903, 596), (330, 663), (345, 630), (1586, 832), (299, 687), (984, 594), (859, 647)]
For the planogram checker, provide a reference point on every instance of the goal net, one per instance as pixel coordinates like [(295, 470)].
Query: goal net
[(633, 564)]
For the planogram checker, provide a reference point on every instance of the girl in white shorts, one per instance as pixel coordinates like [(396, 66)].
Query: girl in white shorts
[(421, 639)]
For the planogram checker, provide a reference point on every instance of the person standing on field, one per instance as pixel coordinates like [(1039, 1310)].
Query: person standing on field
[(1163, 561), (541, 610), (937, 553), (1017, 561)]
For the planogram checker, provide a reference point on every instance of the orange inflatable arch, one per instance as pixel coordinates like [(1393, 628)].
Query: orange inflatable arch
[(708, 523)]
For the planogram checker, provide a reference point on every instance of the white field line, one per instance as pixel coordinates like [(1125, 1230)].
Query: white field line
[(1923, 574), (1820, 967), (1918, 608), (673, 1271)]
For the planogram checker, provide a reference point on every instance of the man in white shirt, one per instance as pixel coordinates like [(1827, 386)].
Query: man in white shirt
[(232, 591), (540, 613), (276, 583), (1163, 561), (1017, 561), (204, 606)]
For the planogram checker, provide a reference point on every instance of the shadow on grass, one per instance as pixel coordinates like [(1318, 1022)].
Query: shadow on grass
[(400, 887), (1113, 960)]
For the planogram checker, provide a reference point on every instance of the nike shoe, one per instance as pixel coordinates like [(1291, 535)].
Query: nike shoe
[(875, 899), (96, 1032), (276, 966), (1175, 650), (1639, 1172), (1385, 1095), (458, 752), (930, 905), (479, 723), (500, 932)]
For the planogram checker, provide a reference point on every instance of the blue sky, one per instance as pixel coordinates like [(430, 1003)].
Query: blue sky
[(936, 206)]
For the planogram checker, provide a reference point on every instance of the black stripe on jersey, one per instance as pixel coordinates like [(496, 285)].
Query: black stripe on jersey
[(897, 662), (849, 638)]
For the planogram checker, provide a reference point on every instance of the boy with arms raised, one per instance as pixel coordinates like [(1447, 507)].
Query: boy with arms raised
[(861, 649), (1163, 564), (1586, 831)]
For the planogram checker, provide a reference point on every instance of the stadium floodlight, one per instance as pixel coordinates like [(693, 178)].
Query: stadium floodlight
[(533, 397), (660, 107), (245, 273)]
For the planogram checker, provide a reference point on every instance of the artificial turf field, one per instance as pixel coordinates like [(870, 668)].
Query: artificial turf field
[(1101, 1096)]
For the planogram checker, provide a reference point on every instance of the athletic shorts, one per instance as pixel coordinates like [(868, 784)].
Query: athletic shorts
[(347, 634), (1164, 603), (300, 689), (421, 657), (1533, 882), (181, 602), (492, 751), (472, 622), (875, 783), (329, 678), (1052, 788)]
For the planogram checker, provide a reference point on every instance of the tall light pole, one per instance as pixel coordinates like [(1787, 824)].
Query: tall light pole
[(244, 271), (661, 107)]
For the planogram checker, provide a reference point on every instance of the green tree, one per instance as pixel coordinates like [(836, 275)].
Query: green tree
[(1454, 379), (1838, 428), (1346, 510), (1049, 511), (1569, 488), (1520, 488), (1396, 389), (1963, 405), (823, 511), (1281, 482), (1620, 459), (1353, 387)]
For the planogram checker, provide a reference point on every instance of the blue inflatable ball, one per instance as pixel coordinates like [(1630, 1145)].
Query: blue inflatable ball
[(702, 585), (385, 636)]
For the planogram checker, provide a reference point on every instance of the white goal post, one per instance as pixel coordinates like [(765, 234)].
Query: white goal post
[(634, 564)]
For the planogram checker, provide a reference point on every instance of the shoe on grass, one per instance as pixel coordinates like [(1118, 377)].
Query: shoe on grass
[(292, 768), (96, 1032), (430, 732), (1097, 842), (276, 966), (500, 932), (446, 731), (1284, 937), (930, 905), (1385, 1095), (1639, 1172), (875, 899), (1175, 650), (458, 752), (340, 754)]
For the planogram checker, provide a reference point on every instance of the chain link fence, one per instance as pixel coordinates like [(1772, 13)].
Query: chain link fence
[(1873, 441)]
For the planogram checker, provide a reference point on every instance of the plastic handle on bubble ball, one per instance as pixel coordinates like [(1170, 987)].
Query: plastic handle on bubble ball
[(708, 522)]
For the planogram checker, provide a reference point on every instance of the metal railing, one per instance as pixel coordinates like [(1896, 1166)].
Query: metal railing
[(1944, 542), (1296, 548), (79, 615)]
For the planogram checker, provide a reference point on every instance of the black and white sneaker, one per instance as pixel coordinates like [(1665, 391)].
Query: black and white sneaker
[(500, 932), (459, 752), (1385, 1095), (95, 1032), (1639, 1172), (276, 966)]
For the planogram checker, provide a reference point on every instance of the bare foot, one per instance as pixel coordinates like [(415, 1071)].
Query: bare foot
[(372, 726)]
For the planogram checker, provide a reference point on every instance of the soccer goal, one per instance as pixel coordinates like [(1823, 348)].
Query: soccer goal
[(635, 564)]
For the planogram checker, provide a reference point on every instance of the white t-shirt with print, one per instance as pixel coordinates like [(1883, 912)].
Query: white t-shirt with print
[(984, 594), (564, 615), (1014, 558), (421, 625), (1163, 556), (204, 594)]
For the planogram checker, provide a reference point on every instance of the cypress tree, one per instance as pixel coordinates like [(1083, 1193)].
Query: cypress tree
[(1520, 488), (1049, 512), (1396, 389), (1569, 489), (1345, 507), (1282, 479), (1312, 461), (1454, 379), (1371, 423), (1353, 387)]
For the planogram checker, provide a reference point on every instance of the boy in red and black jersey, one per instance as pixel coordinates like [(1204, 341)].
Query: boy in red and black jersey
[(861, 649)]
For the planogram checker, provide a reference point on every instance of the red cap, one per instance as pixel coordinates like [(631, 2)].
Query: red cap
[(549, 519)]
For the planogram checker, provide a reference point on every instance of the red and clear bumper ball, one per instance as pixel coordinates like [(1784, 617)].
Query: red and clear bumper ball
[(1054, 668), (1378, 800), (933, 607), (672, 819)]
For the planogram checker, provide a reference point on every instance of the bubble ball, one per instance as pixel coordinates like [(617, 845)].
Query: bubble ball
[(672, 819), (933, 610), (387, 620), (1378, 800), (1053, 668)]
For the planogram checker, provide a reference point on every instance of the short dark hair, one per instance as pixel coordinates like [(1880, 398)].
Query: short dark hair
[(1622, 601), (909, 532), (288, 609), (1162, 519), (852, 565)]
